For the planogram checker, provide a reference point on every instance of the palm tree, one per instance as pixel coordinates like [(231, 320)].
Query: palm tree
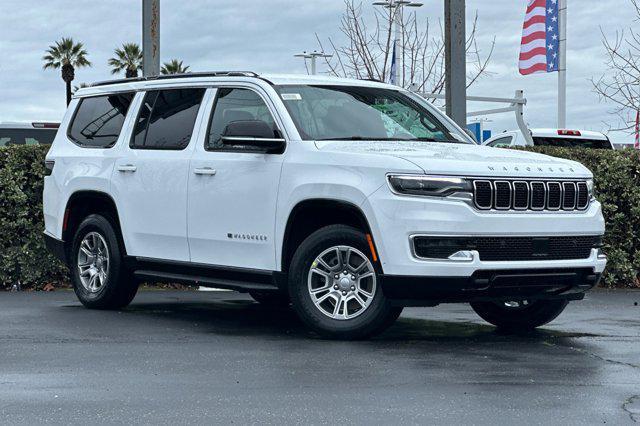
[(67, 55), (174, 67), (127, 58)]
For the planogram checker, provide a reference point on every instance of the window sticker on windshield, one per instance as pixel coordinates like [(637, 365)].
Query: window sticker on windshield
[(291, 97)]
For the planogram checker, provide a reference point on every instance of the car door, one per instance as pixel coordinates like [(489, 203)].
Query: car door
[(233, 191), (150, 177)]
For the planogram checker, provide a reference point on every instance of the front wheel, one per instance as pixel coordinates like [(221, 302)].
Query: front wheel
[(334, 285), (520, 315)]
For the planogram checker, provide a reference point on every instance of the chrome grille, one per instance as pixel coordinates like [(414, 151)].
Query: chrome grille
[(501, 194)]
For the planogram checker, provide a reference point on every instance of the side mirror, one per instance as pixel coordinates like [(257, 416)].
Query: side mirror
[(255, 134)]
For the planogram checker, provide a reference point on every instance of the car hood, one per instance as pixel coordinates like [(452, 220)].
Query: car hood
[(465, 159)]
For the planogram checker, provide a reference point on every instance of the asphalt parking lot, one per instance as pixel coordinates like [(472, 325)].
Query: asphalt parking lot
[(177, 357)]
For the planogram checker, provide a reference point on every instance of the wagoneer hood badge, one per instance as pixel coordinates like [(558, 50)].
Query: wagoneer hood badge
[(466, 159)]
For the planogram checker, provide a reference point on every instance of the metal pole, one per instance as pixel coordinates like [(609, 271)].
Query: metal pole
[(150, 37), (562, 66), (313, 64), (455, 61), (396, 43)]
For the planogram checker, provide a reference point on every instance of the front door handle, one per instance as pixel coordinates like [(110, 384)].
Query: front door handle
[(206, 171), (127, 168)]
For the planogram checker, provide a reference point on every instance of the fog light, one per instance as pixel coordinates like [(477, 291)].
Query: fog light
[(462, 256), (601, 254)]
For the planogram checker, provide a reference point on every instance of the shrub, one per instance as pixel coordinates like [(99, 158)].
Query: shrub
[(617, 186), (24, 258)]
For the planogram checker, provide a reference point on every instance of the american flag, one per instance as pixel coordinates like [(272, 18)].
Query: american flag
[(540, 38)]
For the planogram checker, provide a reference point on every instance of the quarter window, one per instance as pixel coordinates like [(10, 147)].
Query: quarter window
[(236, 105), (166, 119), (98, 120)]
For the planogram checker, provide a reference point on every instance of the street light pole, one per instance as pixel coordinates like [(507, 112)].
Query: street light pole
[(395, 7), (313, 56), (150, 37), (456, 61)]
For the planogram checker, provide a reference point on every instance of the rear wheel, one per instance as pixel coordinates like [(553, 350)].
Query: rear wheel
[(520, 315), (99, 277), (334, 285)]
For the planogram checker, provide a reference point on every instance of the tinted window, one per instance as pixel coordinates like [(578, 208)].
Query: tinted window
[(236, 105), (573, 143), (10, 137), (98, 120), (502, 142), (166, 119)]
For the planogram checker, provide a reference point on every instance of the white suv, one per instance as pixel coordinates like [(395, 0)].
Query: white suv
[(348, 199)]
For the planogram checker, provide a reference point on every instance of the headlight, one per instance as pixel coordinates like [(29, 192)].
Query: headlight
[(433, 186), (591, 189)]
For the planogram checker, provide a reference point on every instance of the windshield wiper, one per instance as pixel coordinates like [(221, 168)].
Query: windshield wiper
[(362, 138), (437, 140)]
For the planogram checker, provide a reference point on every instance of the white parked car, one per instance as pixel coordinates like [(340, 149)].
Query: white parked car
[(36, 133), (552, 137), (349, 199)]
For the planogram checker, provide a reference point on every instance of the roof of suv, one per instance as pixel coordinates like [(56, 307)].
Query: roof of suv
[(28, 125), (142, 83)]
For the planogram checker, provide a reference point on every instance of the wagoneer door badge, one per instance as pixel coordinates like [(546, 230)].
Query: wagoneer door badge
[(249, 237)]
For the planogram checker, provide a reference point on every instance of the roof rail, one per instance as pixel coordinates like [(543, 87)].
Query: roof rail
[(185, 75)]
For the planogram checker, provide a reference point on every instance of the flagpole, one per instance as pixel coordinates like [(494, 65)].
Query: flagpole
[(562, 65)]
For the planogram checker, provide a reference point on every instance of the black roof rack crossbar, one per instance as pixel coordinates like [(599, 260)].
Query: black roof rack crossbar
[(185, 75)]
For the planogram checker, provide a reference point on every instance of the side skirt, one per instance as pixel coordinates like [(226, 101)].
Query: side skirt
[(239, 279)]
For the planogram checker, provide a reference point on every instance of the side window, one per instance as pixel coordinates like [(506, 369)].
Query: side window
[(235, 105), (501, 142), (166, 119), (98, 120)]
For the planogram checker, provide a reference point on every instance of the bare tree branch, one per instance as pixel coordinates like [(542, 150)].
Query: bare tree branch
[(368, 50), (620, 85)]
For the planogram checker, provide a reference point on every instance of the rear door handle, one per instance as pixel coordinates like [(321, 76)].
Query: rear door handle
[(206, 171), (127, 168)]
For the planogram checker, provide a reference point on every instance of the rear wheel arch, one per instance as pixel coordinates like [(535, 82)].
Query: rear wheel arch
[(81, 204), (312, 214)]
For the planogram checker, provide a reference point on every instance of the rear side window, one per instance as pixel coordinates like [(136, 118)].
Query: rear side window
[(10, 137), (98, 120), (573, 143), (166, 119)]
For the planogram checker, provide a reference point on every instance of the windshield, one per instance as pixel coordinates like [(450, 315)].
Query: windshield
[(360, 113)]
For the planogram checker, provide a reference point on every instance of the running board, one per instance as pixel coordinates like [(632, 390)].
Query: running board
[(239, 279), (167, 277)]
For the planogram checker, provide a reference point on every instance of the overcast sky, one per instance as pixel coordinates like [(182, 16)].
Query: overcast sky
[(263, 35)]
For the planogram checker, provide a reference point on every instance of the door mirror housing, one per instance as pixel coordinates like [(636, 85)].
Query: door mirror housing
[(255, 135)]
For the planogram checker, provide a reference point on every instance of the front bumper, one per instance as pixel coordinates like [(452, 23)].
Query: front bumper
[(490, 285), (395, 219)]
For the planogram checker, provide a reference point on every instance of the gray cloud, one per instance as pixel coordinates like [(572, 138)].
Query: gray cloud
[(263, 35)]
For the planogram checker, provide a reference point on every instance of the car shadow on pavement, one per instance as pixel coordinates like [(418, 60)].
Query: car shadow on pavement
[(244, 317)]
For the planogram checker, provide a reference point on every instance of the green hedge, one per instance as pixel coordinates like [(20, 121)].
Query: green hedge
[(617, 186), (24, 258)]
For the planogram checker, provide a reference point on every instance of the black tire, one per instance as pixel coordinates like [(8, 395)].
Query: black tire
[(518, 319), (119, 287), (270, 298), (372, 320)]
